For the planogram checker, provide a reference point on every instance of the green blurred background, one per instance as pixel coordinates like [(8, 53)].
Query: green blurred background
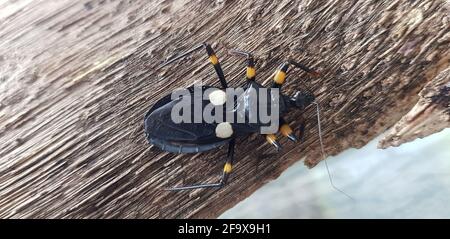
[(410, 181)]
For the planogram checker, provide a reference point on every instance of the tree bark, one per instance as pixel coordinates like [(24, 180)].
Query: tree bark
[(76, 79), (431, 114)]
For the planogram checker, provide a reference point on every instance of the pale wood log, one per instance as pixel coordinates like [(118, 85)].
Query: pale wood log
[(76, 78), (430, 115)]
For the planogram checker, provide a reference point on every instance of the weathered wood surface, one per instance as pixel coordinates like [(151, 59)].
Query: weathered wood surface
[(76, 78), (431, 114)]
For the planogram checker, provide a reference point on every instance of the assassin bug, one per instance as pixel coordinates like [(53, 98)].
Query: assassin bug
[(162, 132)]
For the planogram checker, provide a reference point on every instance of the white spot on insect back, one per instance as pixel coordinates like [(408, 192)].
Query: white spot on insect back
[(224, 130), (218, 97)]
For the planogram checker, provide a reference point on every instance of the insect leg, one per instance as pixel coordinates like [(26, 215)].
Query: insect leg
[(286, 130), (280, 73), (228, 167), (212, 58), (272, 139), (251, 72), (226, 173)]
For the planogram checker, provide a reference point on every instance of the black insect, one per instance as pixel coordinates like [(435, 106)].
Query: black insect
[(162, 132)]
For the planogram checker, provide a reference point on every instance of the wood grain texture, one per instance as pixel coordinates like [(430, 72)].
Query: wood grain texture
[(77, 77), (430, 115)]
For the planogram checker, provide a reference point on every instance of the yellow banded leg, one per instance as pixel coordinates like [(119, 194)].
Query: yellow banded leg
[(251, 72), (212, 58), (227, 168), (280, 75), (215, 62), (286, 131), (272, 139), (226, 173)]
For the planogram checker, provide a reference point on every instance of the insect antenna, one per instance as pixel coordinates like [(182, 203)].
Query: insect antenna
[(319, 129)]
